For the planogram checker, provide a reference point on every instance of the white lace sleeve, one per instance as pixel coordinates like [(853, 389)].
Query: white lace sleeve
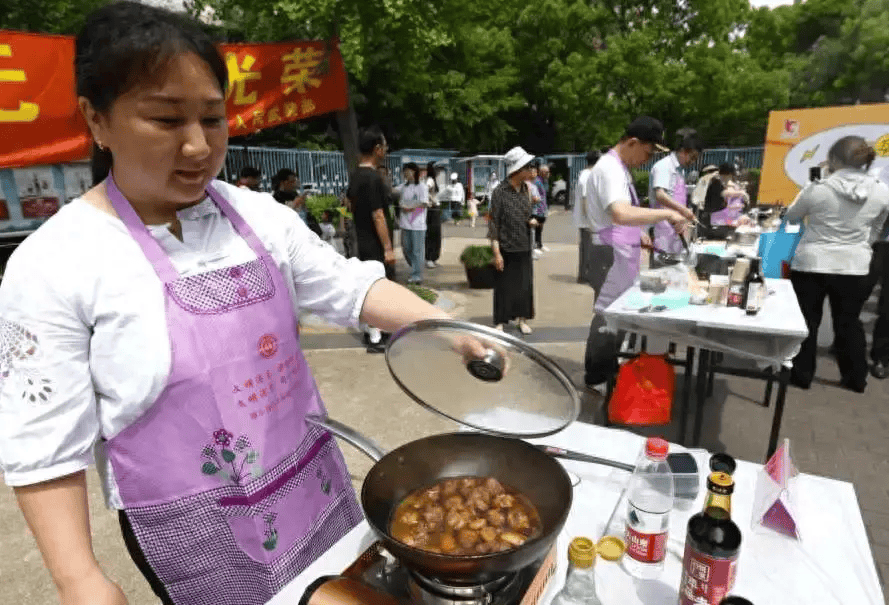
[(48, 420)]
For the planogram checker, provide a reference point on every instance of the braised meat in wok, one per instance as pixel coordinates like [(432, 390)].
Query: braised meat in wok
[(465, 516)]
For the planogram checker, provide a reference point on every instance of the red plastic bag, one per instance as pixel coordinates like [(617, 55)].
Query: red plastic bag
[(644, 391)]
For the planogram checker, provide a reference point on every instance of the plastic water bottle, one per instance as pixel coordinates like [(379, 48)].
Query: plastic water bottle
[(580, 583), (650, 499)]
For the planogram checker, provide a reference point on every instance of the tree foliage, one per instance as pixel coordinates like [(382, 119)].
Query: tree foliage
[(556, 74)]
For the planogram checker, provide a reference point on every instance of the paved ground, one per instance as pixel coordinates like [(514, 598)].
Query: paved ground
[(833, 432)]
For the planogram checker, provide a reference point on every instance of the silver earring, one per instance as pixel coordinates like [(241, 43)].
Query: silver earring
[(101, 147)]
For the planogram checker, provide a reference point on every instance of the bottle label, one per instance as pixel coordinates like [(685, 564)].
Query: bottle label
[(705, 579), (735, 295), (754, 297), (646, 548)]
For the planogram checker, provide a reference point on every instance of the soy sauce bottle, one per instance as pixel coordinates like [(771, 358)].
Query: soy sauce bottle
[(754, 289), (712, 546)]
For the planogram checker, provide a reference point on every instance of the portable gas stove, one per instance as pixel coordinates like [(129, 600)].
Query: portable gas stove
[(376, 578)]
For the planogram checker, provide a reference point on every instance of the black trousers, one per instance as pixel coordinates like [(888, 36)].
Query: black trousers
[(132, 544), (847, 295), (433, 234), (538, 230), (879, 274), (600, 360)]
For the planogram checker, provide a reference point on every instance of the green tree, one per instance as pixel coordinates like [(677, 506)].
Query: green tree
[(49, 16)]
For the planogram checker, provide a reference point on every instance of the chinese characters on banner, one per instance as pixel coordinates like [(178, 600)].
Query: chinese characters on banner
[(269, 84)]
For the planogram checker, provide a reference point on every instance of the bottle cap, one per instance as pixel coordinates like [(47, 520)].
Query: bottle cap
[(656, 448), (611, 548), (722, 463), (721, 483), (582, 552)]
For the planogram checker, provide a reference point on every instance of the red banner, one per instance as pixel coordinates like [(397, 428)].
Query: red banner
[(269, 84)]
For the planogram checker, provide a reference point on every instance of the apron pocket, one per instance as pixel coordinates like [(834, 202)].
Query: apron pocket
[(284, 515)]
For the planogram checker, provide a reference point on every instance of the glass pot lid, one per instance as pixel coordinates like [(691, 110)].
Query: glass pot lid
[(482, 378)]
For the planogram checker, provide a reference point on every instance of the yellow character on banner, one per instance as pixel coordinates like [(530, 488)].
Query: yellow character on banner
[(27, 112), (274, 115), (299, 69), (238, 76), (291, 109), (882, 146), (308, 106)]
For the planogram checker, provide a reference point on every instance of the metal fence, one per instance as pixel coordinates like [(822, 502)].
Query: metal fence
[(326, 171)]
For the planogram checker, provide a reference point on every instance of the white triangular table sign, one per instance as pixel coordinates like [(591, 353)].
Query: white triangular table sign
[(773, 501)]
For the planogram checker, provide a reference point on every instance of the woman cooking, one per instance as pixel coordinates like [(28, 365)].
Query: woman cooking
[(509, 232), (164, 334)]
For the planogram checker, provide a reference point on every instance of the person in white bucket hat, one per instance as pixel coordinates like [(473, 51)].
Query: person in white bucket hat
[(509, 232)]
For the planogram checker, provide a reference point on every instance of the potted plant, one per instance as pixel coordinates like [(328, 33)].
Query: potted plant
[(479, 264)]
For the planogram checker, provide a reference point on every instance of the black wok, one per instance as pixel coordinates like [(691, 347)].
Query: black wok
[(511, 461)]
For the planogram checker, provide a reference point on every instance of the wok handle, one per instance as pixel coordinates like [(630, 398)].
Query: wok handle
[(367, 445), (557, 452)]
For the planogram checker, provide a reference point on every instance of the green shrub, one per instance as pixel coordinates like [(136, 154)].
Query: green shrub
[(640, 181), (426, 294), (476, 257), (317, 204)]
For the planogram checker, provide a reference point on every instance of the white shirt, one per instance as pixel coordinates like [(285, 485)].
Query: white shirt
[(413, 207), (453, 193), (844, 213), (82, 287), (607, 183), (663, 175), (579, 196)]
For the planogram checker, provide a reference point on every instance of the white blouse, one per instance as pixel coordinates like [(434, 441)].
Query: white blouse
[(84, 349)]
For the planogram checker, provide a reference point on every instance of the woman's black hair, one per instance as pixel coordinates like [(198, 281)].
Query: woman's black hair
[(416, 170), (280, 176), (123, 44), (430, 172), (726, 168), (851, 152)]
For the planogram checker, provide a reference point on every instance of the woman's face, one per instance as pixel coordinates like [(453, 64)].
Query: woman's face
[(168, 138)]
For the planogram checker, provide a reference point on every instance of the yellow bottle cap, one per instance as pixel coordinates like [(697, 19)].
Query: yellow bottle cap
[(611, 548), (582, 552)]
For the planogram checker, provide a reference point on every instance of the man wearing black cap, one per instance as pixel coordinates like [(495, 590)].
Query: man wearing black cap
[(612, 214)]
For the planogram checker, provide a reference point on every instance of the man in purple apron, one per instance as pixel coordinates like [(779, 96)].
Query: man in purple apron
[(615, 220), (667, 190)]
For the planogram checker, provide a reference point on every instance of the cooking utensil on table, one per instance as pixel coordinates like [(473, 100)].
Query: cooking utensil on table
[(425, 461), (689, 257), (510, 391), (662, 256)]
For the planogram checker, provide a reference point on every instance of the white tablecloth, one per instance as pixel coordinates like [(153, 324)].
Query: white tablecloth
[(770, 337), (833, 565)]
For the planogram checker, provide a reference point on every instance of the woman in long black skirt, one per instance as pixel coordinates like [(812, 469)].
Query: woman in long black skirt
[(433, 219), (509, 232)]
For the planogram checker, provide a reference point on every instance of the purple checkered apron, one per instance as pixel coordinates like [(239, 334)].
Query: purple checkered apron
[(624, 241), (229, 492), (665, 237)]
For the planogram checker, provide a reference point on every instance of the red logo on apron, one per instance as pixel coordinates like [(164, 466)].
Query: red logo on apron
[(268, 345)]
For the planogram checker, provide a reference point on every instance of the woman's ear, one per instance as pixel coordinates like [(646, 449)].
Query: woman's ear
[(95, 121)]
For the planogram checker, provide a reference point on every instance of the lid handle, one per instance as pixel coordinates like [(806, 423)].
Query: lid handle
[(489, 368)]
